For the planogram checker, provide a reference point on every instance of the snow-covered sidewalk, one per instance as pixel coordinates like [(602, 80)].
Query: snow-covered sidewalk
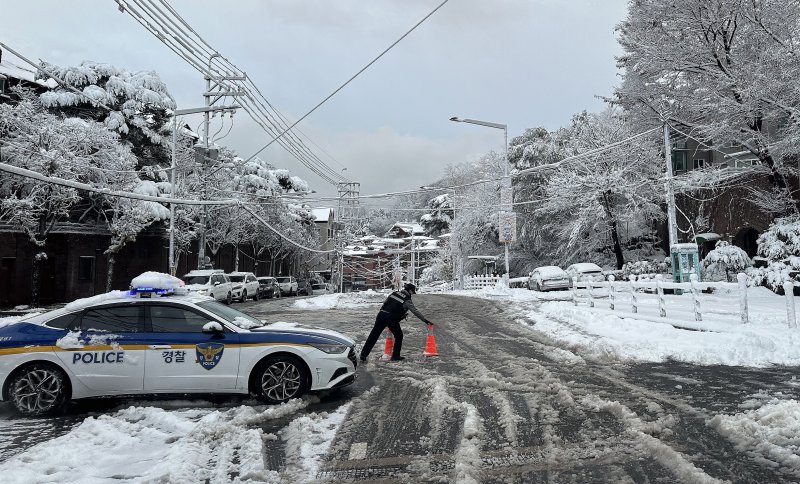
[(601, 332)]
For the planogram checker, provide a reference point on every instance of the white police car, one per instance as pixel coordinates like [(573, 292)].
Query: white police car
[(151, 340)]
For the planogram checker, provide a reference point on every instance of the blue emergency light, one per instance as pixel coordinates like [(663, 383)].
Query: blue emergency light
[(149, 291)]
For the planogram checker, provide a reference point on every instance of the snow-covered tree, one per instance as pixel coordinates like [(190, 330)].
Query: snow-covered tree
[(126, 218), (725, 71), (607, 199), (140, 104), (725, 259), (780, 245), (437, 221), (71, 149)]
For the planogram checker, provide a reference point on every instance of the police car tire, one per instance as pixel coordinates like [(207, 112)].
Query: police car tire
[(298, 379), (229, 299), (244, 296), (55, 400)]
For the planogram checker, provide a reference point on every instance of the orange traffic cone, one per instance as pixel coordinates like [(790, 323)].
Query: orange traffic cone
[(430, 345), (389, 346)]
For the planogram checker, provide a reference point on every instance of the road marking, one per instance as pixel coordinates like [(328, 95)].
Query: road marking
[(358, 451)]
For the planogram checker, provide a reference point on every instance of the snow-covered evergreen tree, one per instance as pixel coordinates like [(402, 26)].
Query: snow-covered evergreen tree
[(780, 245), (437, 221)]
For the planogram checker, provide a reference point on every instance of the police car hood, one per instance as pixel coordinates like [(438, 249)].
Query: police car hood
[(285, 327)]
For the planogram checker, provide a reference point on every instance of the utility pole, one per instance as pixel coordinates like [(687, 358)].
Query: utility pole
[(172, 262), (671, 224), (216, 89)]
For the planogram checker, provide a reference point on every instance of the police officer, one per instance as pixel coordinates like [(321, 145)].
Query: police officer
[(395, 308)]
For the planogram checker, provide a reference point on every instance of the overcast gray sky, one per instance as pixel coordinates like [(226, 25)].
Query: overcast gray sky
[(524, 63)]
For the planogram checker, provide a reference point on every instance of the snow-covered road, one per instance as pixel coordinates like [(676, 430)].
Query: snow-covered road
[(506, 401)]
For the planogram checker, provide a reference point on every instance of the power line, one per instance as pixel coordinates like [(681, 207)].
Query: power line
[(267, 224), (352, 78), (171, 29)]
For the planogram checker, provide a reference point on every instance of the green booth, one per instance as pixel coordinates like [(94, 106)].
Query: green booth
[(685, 261)]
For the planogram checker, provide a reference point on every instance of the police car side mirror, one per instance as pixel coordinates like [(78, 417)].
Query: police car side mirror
[(212, 327), (216, 283)]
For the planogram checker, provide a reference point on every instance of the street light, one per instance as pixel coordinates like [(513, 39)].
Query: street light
[(505, 165), (172, 169)]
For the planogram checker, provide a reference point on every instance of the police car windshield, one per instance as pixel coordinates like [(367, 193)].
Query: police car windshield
[(195, 279), (231, 315), (236, 278)]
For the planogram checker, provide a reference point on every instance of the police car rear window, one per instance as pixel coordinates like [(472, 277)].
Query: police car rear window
[(63, 321)]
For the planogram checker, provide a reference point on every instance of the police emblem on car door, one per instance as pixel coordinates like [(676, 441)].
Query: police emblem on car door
[(209, 354)]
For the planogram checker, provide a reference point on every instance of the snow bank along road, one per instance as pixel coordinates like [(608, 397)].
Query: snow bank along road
[(503, 403)]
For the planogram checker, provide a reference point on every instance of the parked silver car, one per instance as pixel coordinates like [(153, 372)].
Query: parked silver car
[(547, 278), (585, 272)]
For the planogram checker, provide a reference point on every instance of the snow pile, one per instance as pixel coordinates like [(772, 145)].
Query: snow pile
[(770, 432), (349, 300), (307, 441), (156, 280), (147, 444), (70, 341), (100, 298), (468, 455), (7, 320), (245, 323)]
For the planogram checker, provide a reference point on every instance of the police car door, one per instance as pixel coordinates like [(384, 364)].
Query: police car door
[(181, 357), (109, 357)]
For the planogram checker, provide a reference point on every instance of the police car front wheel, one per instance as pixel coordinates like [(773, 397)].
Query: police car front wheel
[(39, 389), (281, 378)]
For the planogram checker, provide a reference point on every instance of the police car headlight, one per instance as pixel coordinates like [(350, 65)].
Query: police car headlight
[(330, 349)]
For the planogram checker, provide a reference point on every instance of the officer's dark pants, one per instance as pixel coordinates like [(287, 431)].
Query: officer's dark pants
[(383, 321)]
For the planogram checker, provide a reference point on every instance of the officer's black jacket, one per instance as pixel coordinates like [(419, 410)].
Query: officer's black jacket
[(398, 304)]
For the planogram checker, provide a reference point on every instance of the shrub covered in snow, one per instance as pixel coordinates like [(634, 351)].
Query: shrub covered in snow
[(780, 245), (646, 268), (725, 259)]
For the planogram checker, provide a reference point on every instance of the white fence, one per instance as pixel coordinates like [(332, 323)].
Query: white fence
[(633, 294), (479, 282), (448, 286)]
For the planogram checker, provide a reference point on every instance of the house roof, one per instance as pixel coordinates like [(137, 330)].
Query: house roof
[(410, 227), (13, 70), (321, 214)]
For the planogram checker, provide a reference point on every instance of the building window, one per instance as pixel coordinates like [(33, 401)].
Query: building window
[(698, 163), (679, 145), (678, 161), (86, 268)]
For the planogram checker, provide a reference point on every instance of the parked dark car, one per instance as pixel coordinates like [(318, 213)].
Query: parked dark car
[(269, 287), (304, 288)]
